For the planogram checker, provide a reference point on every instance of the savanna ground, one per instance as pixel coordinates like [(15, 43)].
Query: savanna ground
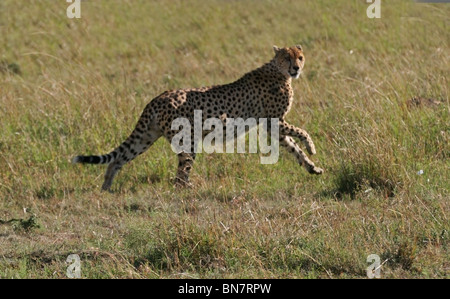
[(374, 97)]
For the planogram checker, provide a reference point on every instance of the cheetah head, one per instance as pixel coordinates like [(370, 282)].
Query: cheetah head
[(289, 61)]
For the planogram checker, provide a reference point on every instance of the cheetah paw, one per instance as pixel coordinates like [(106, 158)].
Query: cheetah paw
[(315, 170)]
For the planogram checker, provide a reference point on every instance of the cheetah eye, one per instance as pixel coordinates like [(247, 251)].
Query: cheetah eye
[(300, 58)]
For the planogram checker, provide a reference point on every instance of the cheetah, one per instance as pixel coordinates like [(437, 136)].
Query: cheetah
[(265, 92)]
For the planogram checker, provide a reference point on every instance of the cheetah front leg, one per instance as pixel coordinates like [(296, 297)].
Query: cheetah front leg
[(290, 130), (302, 159)]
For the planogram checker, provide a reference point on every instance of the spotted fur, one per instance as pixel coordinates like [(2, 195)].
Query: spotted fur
[(265, 92)]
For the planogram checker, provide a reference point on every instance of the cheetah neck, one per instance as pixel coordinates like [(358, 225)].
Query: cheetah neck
[(270, 71)]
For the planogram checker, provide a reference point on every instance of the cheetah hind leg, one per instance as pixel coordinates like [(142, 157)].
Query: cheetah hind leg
[(185, 162), (130, 149)]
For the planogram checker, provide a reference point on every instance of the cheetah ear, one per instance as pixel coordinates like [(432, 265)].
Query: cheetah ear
[(276, 49), (299, 47)]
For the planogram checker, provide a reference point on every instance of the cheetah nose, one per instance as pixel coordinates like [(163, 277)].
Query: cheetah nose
[(296, 68)]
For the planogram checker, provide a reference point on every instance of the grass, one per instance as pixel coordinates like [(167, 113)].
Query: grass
[(78, 86)]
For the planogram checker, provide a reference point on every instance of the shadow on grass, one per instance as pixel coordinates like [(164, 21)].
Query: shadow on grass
[(352, 179)]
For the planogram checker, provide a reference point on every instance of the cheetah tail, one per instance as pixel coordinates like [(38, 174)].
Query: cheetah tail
[(125, 150), (102, 159), (107, 158)]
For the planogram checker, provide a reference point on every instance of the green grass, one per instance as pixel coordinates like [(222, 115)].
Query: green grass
[(78, 86)]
